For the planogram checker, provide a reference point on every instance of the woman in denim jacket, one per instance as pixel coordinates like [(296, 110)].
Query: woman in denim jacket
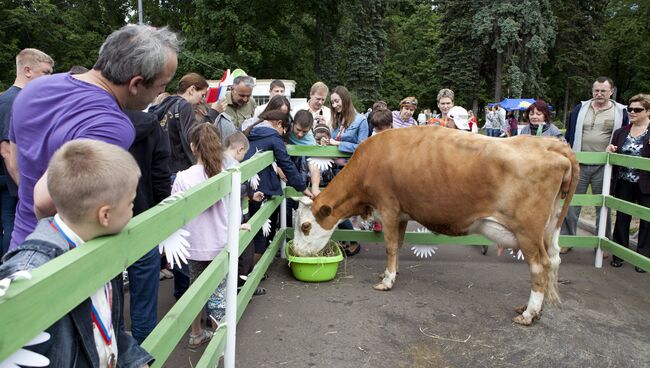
[(350, 127)]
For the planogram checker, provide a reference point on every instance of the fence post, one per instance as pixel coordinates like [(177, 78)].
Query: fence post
[(283, 221), (234, 222), (604, 213)]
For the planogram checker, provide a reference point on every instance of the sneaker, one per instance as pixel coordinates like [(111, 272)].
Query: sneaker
[(377, 227), (197, 340)]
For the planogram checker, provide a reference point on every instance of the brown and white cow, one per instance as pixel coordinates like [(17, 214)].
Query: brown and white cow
[(454, 183)]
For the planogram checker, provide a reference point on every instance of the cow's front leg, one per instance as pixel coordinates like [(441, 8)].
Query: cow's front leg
[(391, 238)]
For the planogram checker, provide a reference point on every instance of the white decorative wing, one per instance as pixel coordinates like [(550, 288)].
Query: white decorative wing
[(255, 182), (423, 251), (518, 256), (172, 198), (175, 247), (266, 228), (17, 276), (26, 358), (322, 163)]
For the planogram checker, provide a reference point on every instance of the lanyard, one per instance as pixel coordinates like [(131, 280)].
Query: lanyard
[(108, 292)]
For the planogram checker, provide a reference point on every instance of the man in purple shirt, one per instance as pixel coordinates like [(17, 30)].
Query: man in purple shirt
[(135, 64)]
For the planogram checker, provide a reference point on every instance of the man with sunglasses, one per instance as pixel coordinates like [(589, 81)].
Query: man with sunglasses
[(589, 129)]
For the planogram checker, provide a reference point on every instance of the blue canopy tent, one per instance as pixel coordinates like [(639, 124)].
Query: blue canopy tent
[(510, 104)]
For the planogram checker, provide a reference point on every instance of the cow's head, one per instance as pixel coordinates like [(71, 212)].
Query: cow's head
[(309, 236)]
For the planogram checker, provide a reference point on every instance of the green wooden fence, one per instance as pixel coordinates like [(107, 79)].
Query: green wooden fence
[(29, 307)]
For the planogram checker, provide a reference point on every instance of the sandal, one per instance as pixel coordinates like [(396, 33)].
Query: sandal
[(259, 291), (356, 250), (197, 340), (616, 263)]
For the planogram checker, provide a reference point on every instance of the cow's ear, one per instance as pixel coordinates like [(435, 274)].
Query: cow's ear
[(325, 211)]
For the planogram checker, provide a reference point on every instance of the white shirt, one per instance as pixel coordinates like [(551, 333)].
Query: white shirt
[(324, 111)]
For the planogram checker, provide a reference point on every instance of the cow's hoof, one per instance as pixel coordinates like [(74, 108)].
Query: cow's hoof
[(521, 320), (521, 309), (381, 287)]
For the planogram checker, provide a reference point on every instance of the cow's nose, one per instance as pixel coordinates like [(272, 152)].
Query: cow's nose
[(305, 227)]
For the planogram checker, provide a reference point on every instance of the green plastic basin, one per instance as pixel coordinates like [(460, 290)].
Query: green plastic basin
[(314, 269)]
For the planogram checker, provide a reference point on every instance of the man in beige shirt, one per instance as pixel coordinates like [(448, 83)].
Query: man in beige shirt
[(238, 103), (590, 129)]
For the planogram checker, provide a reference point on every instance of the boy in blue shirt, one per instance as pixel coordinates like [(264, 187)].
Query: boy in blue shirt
[(93, 186)]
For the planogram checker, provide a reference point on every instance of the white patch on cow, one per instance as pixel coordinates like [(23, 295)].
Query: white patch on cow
[(534, 305), (536, 268), (317, 238), (389, 278), (493, 230)]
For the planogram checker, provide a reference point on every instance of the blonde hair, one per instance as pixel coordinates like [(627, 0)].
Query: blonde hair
[(319, 86), (641, 98), (236, 140), (85, 174), (31, 58)]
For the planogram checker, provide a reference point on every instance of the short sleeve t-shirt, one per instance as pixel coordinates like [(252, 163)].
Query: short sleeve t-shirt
[(49, 112), (6, 101)]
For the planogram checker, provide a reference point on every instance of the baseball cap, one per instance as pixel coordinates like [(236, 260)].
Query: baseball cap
[(460, 116)]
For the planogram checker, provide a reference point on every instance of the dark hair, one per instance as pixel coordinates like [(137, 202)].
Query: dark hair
[(304, 119), (542, 107), (347, 114), (603, 79), (277, 83), (276, 102), (207, 147), (78, 69), (381, 118), (191, 79), (379, 105), (276, 115)]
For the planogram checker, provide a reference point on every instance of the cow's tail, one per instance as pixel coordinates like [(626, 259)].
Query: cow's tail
[(551, 237), (569, 185)]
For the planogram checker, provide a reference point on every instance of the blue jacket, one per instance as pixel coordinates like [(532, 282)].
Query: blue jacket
[(574, 127), (264, 138), (356, 133), (72, 343)]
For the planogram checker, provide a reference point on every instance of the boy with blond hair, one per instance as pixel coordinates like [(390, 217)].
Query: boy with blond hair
[(92, 185)]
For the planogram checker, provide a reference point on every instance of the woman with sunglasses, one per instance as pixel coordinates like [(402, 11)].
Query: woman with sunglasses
[(632, 185)]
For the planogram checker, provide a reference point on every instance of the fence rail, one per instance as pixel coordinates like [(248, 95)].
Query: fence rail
[(29, 307)]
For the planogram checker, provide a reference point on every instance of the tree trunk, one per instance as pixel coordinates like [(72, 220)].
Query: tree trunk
[(497, 78), (566, 102)]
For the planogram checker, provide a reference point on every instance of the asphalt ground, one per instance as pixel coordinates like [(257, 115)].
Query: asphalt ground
[(451, 310)]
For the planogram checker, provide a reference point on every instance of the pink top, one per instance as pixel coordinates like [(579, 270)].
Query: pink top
[(209, 230)]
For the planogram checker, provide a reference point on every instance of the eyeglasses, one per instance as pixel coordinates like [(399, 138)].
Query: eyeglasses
[(603, 91), (635, 110)]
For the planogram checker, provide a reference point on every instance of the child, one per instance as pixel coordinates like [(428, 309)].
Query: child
[(382, 120), (93, 185), (209, 230), (267, 136)]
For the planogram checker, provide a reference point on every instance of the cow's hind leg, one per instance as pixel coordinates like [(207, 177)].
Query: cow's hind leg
[(538, 265), (393, 236)]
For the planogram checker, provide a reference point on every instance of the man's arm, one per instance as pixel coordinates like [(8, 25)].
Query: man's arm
[(43, 204), (8, 151)]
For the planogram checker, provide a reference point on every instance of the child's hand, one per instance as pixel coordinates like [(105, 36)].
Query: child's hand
[(258, 196), (308, 193), (220, 105), (281, 174), (245, 227), (315, 191)]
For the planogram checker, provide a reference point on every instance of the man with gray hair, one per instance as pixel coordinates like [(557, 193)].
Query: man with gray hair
[(135, 64), (238, 103), (30, 64)]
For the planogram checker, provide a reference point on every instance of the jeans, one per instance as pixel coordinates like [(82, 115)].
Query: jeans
[(143, 287), (630, 192), (7, 214), (589, 174)]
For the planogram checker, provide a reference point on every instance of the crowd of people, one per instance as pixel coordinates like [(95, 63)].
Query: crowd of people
[(67, 177)]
